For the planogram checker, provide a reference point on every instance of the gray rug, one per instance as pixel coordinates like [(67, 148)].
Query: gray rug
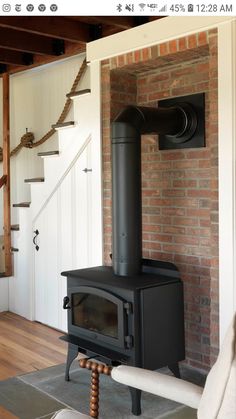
[(40, 394)]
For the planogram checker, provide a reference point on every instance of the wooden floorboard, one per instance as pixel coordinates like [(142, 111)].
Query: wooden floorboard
[(4, 414), (27, 346)]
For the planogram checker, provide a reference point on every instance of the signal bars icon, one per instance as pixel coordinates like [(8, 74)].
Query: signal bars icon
[(163, 8)]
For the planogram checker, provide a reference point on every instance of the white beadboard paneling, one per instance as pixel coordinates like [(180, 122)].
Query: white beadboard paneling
[(46, 262), (20, 285), (1, 211), (59, 213), (37, 97), (50, 256), (65, 205), (72, 142), (81, 214), (96, 249), (2, 254), (64, 241), (40, 268), (4, 306)]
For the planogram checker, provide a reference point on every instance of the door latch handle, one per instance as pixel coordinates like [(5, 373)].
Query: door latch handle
[(86, 170), (36, 232)]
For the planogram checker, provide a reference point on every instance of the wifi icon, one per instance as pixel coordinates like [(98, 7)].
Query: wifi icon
[(142, 5)]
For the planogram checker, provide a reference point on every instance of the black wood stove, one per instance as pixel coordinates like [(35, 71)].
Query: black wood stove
[(131, 313), (133, 320)]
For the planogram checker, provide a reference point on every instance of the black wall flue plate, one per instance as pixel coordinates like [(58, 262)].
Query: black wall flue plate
[(197, 102)]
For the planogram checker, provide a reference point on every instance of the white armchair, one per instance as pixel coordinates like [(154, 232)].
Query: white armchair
[(216, 401), (218, 398)]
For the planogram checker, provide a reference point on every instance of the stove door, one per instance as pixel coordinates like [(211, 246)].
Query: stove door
[(98, 315)]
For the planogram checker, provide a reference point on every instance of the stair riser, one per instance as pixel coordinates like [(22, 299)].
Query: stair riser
[(70, 142)]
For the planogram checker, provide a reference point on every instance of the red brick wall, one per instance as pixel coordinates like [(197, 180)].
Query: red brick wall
[(179, 187)]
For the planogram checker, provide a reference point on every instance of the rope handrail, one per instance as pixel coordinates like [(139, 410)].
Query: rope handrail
[(3, 180), (27, 140)]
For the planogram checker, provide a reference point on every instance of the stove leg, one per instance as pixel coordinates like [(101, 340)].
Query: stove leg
[(136, 401), (72, 353), (175, 369)]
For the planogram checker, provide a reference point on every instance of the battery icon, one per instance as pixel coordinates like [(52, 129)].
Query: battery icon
[(190, 7)]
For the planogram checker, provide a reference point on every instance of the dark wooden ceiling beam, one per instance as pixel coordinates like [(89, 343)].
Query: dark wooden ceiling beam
[(15, 57), (123, 22), (21, 41), (71, 48), (54, 27), (3, 68), (117, 22), (44, 39)]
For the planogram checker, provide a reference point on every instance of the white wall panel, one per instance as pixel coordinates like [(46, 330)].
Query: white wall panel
[(37, 98), (81, 211), (50, 256), (64, 241), (41, 269), (4, 294), (20, 286)]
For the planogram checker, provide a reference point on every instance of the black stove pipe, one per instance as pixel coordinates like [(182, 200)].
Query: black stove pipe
[(126, 176)]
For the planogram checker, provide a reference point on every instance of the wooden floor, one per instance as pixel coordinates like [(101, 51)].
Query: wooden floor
[(5, 414), (27, 346)]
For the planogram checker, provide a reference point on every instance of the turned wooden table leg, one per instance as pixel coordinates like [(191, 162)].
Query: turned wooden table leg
[(97, 369)]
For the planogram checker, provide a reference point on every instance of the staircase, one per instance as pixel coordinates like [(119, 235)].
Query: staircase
[(56, 161), (73, 137)]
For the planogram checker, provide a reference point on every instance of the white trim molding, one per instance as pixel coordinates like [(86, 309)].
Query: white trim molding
[(152, 33), (227, 181), (164, 30)]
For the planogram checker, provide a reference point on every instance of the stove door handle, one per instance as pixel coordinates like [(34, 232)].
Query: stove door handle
[(66, 301)]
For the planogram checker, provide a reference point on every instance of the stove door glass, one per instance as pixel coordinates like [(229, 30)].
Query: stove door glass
[(95, 313)]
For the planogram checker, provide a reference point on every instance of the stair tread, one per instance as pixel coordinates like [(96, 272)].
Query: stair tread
[(22, 205), (64, 124), (15, 227), (48, 153), (78, 93), (35, 179)]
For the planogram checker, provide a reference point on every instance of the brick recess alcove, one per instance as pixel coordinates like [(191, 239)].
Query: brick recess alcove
[(179, 187)]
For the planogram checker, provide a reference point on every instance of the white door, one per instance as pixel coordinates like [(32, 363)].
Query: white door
[(64, 240)]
